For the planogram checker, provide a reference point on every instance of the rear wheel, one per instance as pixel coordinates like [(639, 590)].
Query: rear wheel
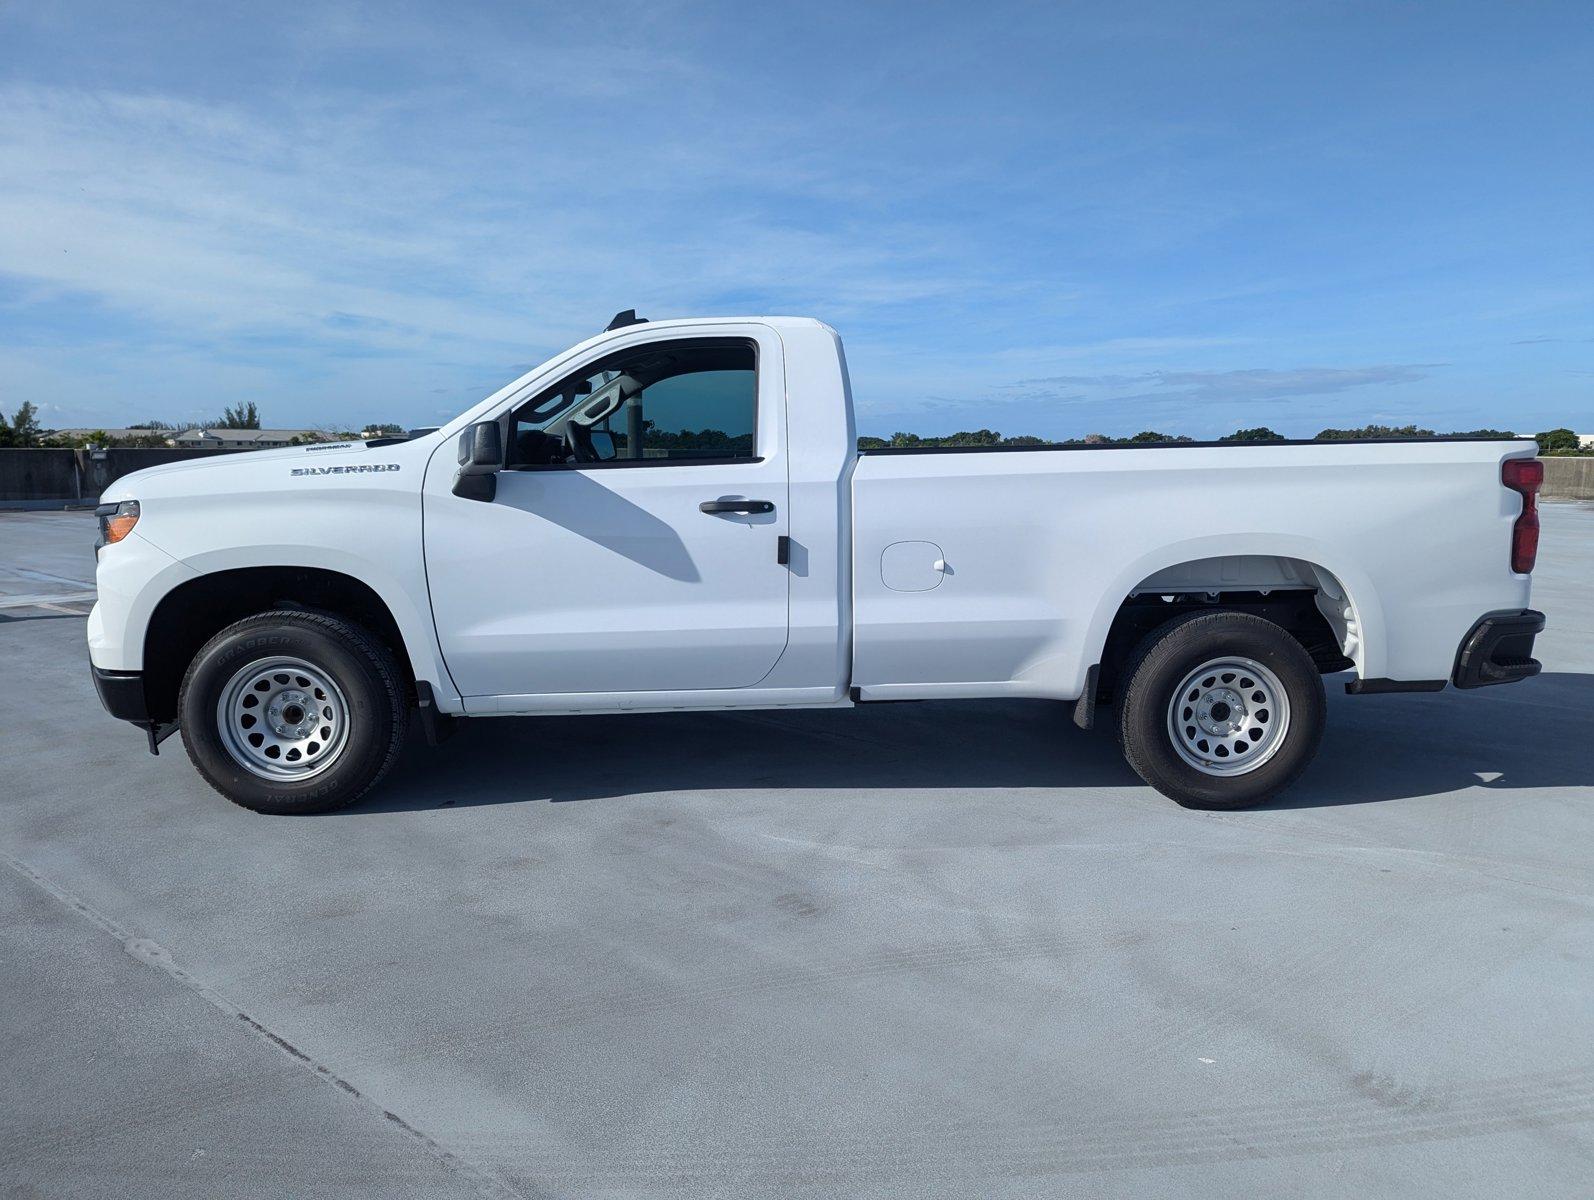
[(292, 712), (1222, 710)]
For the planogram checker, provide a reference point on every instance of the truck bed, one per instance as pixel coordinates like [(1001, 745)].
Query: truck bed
[(1402, 543)]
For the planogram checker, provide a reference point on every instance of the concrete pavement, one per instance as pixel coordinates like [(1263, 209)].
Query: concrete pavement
[(948, 949)]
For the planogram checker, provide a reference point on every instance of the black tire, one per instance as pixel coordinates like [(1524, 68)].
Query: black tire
[(362, 668), (1163, 660)]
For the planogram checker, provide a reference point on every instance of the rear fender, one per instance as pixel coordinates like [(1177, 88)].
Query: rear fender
[(1368, 649)]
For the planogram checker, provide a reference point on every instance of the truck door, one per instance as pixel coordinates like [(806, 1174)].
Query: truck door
[(632, 543)]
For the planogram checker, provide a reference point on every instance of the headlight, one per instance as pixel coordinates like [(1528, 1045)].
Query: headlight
[(116, 521)]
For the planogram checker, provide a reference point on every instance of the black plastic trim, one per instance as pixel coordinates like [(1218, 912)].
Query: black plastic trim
[(624, 320), (1377, 687), (476, 487), (1085, 706), (1499, 649), (100, 513), (158, 733), (437, 726), (1401, 441), (622, 463), (122, 694), (749, 507)]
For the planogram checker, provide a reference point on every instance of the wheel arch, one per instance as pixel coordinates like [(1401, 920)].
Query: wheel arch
[(1266, 575), (195, 610)]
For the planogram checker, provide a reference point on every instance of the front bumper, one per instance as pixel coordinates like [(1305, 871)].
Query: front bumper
[(122, 694), (1499, 649)]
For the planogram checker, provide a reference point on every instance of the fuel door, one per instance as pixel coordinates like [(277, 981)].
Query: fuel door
[(912, 566)]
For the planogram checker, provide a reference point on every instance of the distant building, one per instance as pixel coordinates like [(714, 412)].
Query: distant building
[(247, 439), (164, 435)]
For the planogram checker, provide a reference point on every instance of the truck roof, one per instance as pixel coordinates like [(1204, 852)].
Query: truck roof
[(777, 322)]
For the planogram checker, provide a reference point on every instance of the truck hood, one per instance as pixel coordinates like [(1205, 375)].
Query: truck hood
[(168, 478)]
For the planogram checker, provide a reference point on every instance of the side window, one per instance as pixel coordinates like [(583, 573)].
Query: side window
[(661, 403)]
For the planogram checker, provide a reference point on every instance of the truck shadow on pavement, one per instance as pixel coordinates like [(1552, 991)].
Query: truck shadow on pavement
[(1534, 735)]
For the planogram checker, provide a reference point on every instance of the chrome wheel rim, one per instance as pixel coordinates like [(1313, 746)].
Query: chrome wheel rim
[(1228, 716), (282, 719)]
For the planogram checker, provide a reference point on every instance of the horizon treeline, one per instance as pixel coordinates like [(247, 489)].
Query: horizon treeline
[(24, 429), (1550, 442)]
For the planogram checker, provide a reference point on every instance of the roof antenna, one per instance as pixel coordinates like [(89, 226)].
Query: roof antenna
[(622, 319)]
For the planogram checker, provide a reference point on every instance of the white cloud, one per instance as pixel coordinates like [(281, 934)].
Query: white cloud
[(210, 226), (1247, 384)]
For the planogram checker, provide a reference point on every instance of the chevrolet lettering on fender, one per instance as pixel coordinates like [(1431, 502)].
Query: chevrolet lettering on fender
[(676, 516)]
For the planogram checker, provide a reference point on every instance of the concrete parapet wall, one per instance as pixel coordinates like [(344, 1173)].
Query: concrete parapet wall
[(1568, 478), (50, 476)]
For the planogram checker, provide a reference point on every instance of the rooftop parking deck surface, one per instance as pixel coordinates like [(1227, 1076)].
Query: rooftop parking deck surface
[(948, 949)]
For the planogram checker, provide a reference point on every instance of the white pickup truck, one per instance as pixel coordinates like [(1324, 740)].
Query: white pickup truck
[(675, 515)]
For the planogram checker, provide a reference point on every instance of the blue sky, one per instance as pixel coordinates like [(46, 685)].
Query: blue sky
[(1051, 219)]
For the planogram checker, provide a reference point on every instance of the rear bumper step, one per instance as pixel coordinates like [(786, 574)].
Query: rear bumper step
[(1377, 687), (1499, 649)]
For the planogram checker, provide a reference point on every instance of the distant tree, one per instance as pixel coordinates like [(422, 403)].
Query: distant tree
[(385, 430), (968, 437), (962, 438), (1260, 434), (1373, 431), (25, 429), (153, 425), (7, 436), (1151, 435), (76, 440), (716, 440), (1556, 439), (1484, 433), (244, 416)]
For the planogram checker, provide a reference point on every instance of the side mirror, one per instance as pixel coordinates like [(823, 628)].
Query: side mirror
[(481, 457)]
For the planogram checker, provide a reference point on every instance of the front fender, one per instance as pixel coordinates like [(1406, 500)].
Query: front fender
[(131, 578), (392, 584)]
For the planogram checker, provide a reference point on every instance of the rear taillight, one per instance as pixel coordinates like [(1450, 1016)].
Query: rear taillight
[(1524, 476)]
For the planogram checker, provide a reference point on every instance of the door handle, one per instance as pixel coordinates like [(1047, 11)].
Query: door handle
[(736, 506)]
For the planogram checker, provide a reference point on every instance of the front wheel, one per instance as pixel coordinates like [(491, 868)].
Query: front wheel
[(1222, 710), (292, 712)]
